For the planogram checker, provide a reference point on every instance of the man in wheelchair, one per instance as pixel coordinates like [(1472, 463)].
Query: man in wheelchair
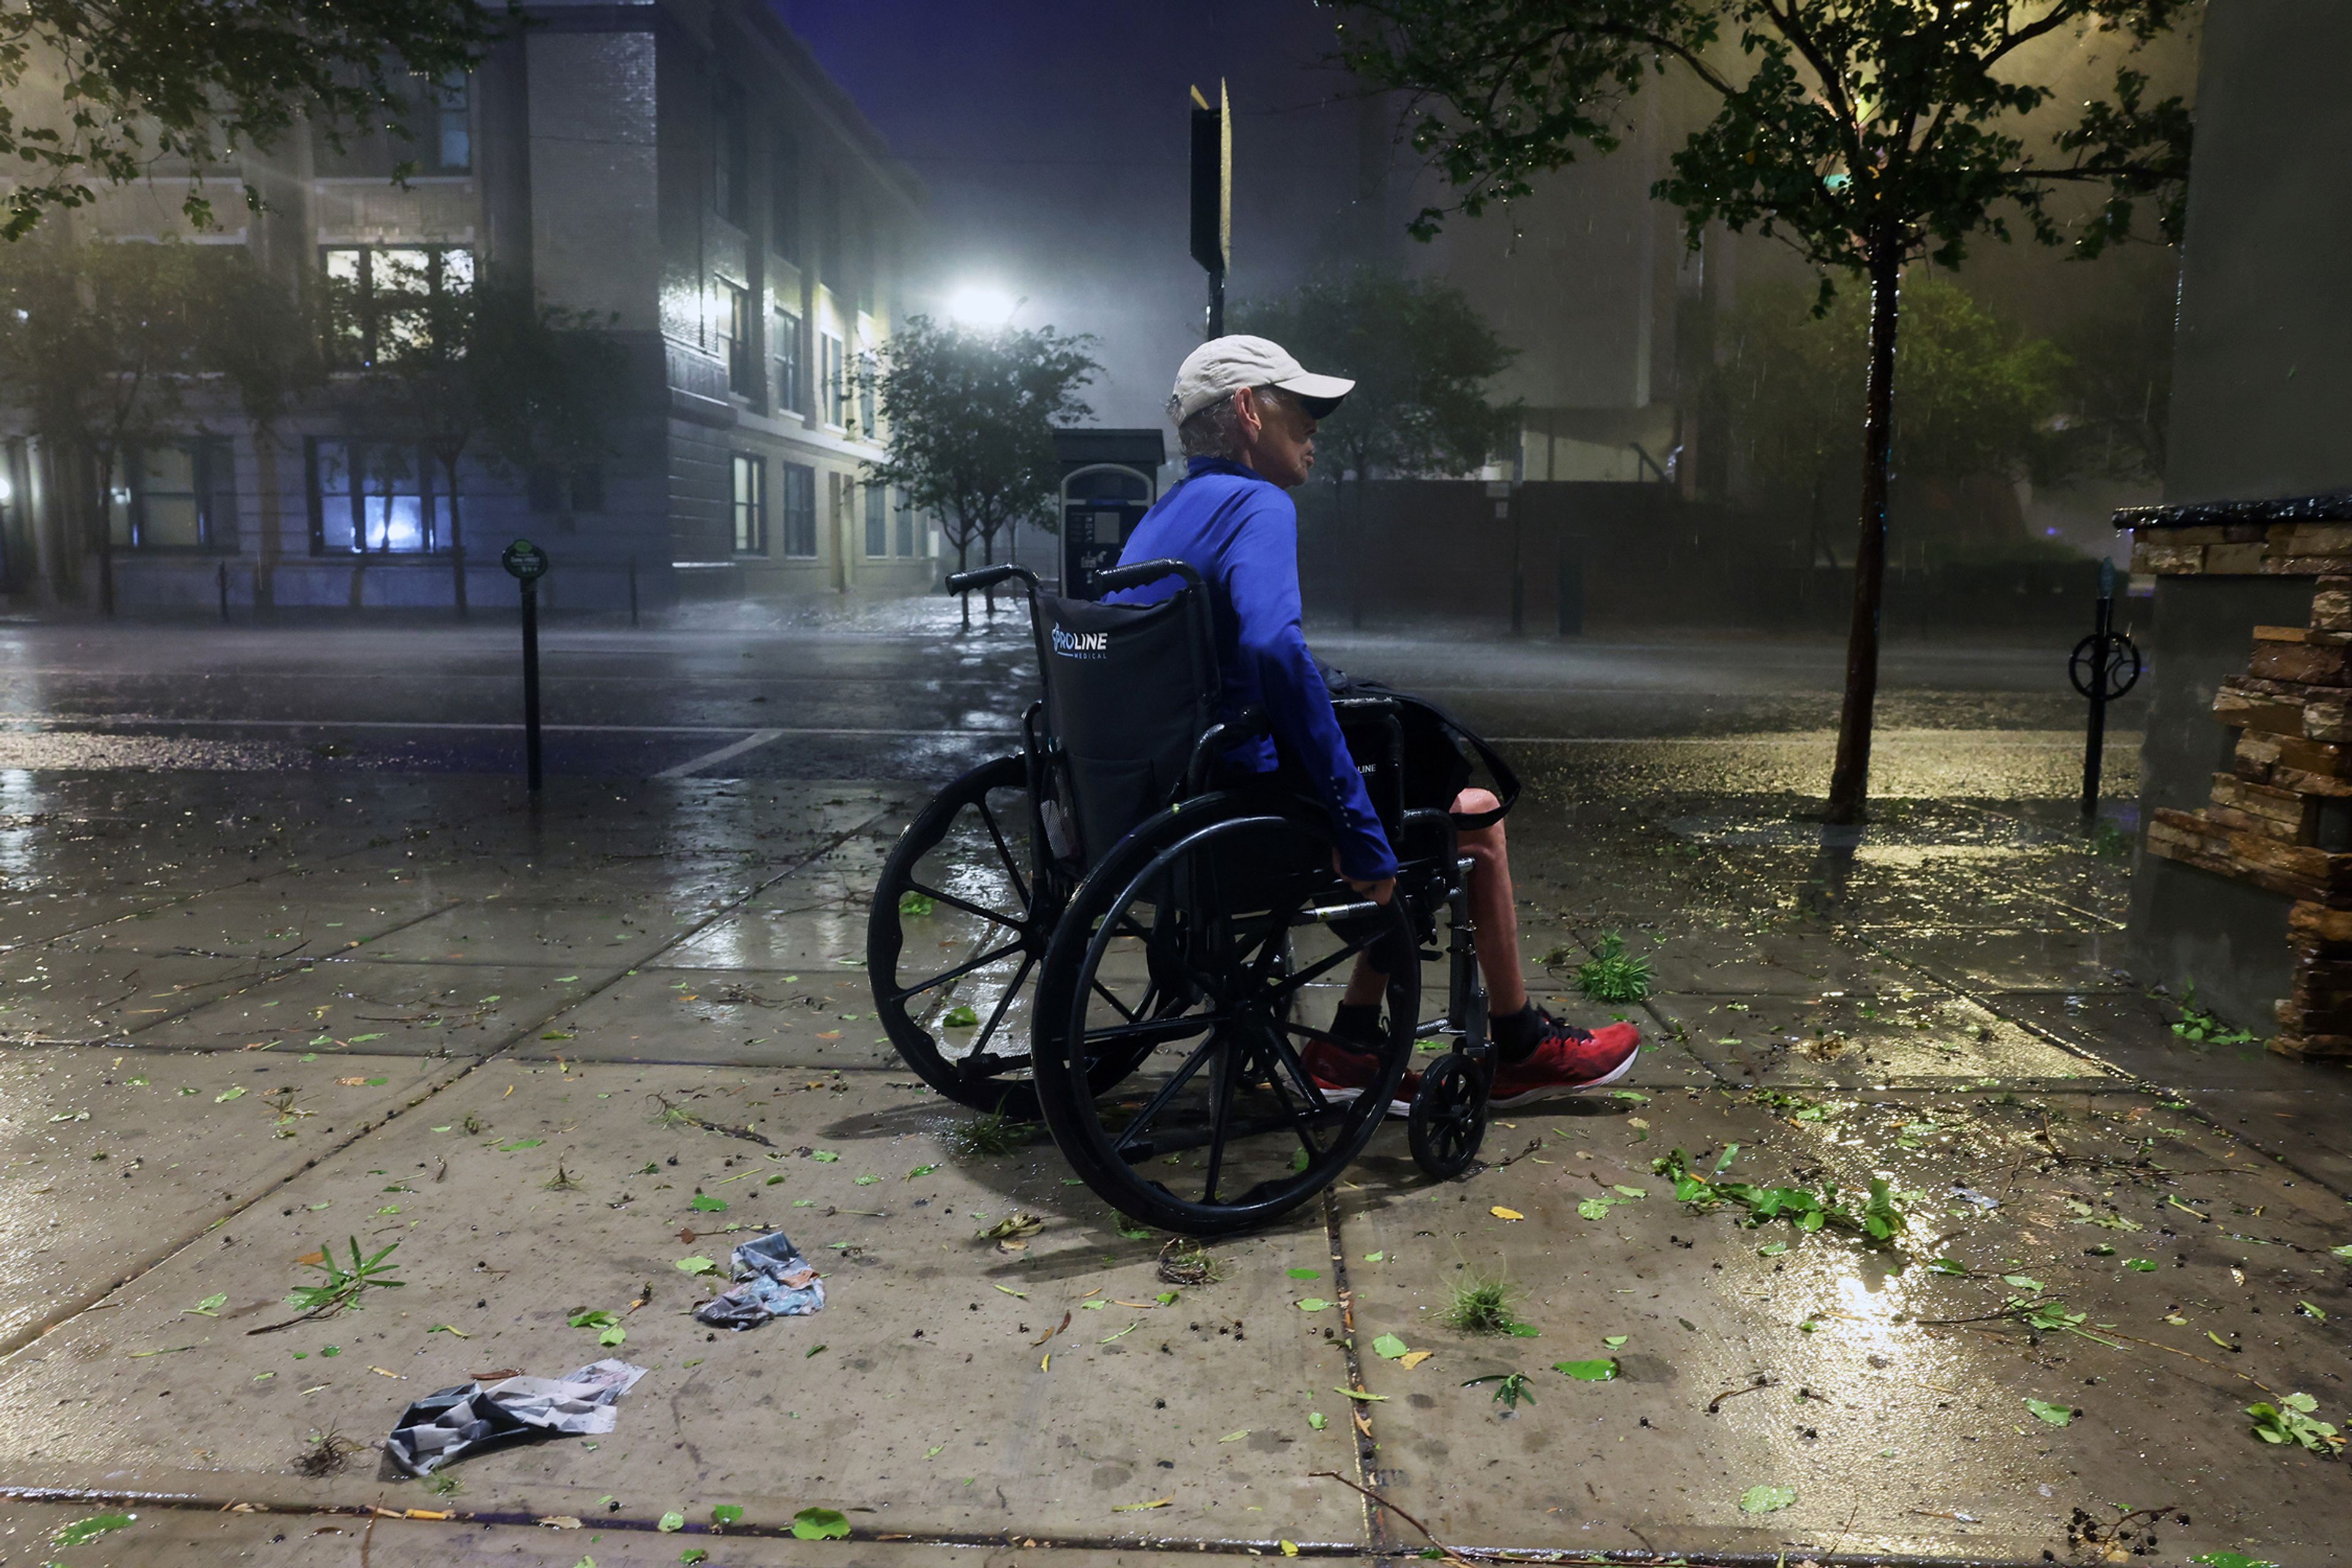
[(1245, 413)]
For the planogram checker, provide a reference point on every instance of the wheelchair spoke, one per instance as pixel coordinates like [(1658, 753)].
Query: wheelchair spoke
[(1317, 970), (1130, 1015), (959, 970), (1168, 1091), (1299, 1123), (971, 909), (996, 1014), (1222, 1080), (1288, 1061), (1175, 1027), (1020, 885)]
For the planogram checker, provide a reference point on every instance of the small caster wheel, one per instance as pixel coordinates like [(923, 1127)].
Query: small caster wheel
[(1448, 1120)]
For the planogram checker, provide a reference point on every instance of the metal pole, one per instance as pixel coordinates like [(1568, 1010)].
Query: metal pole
[(633, 590), (1518, 579), (530, 677), (2094, 743), (1216, 302)]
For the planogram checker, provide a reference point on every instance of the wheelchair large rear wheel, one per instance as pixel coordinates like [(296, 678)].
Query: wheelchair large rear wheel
[(1192, 961), (952, 943)]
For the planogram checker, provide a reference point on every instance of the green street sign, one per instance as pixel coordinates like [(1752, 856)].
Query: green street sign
[(524, 561)]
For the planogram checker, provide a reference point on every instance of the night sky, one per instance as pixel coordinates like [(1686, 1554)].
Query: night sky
[(1052, 135)]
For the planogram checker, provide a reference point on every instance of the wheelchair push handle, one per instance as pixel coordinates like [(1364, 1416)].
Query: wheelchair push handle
[(1144, 572), (989, 577)]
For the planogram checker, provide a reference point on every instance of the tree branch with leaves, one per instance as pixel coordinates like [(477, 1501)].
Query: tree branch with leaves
[(104, 92), (1867, 134), (970, 415)]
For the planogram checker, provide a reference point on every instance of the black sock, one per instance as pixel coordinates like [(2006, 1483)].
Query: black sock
[(1516, 1034), (1357, 1026)]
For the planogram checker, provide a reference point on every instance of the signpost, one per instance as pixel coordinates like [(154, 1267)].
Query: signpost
[(526, 563), (1212, 197), (2104, 666)]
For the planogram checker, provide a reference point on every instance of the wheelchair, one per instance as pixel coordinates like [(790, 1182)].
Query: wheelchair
[(1108, 932)]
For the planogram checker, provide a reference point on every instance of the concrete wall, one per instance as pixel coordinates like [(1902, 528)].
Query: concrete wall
[(2261, 390), (2261, 403)]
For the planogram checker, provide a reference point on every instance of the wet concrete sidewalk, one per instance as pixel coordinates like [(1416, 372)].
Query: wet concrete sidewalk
[(552, 1059)]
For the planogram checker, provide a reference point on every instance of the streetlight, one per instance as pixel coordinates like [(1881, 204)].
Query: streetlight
[(978, 303)]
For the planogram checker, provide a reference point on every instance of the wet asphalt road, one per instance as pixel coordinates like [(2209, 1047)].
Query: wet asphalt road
[(895, 690)]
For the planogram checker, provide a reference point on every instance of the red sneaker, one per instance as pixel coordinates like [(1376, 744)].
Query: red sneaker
[(1343, 1075), (1567, 1060)]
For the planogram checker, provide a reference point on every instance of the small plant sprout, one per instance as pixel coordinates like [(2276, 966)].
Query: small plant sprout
[(1510, 1388), (1482, 1305), (990, 1133), (341, 1289), (1610, 975)]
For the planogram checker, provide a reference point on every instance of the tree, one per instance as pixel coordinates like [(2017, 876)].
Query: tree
[(454, 366), (98, 346), (1865, 133), (105, 89), (1421, 356), (1982, 398), (970, 415), (269, 344)]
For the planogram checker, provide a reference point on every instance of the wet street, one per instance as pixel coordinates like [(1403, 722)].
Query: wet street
[(285, 958), (893, 690)]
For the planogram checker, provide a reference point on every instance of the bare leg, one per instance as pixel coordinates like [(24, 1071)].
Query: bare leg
[(1493, 909)]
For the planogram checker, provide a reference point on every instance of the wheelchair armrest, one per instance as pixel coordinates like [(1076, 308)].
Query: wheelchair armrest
[(1251, 723), (1142, 572), (989, 577)]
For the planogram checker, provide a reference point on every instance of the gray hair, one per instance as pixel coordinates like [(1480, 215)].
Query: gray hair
[(1215, 431)]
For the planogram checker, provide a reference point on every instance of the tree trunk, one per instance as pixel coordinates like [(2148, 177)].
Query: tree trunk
[(988, 558), (456, 541), (1352, 548), (101, 487), (1850, 783), (268, 547), (964, 564)]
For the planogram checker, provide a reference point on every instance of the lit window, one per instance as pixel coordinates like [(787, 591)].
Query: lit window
[(750, 505), (800, 510)]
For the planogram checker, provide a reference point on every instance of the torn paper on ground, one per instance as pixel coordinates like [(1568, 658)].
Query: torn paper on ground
[(444, 1425), (772, 1280)]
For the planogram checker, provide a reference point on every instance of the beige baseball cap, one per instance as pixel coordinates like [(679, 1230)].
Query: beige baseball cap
[(1223, 367)]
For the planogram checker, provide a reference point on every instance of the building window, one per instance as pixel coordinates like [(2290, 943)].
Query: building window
[(750, 505), (387, 298), (866, 424), (905, 524), (173, 495), (554, 490), (743, 368), (784, 338), (834, 393), (800, 510), (878, 520), (377, 497), (784, 197), (730, 193), (450, 147)]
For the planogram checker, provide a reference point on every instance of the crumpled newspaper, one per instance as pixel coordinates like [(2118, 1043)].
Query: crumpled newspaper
[(452, 1421), (772, 1280)]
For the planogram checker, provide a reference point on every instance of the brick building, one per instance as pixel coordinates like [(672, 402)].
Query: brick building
[(683, 165)]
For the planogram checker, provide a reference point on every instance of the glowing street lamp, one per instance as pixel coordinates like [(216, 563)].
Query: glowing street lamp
[(982, 304)]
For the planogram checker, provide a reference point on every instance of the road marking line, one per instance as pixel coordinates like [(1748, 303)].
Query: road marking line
[(72, 726), (751, 742)]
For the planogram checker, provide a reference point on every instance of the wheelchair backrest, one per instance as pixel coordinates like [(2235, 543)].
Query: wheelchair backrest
[(1129, 690)]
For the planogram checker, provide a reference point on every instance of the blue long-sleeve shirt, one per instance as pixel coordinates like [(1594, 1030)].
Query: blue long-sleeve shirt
[(1241, 535)]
